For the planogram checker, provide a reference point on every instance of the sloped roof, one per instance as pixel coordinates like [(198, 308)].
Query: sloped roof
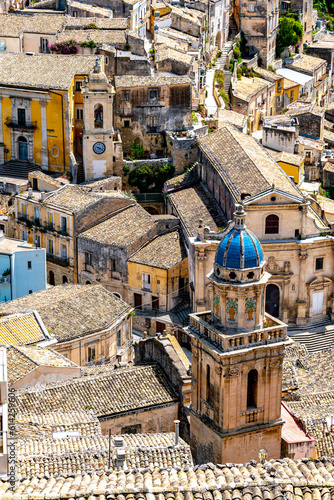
[(244, 164), (122, 390), (21, 328), (164, 251), (71, 311)]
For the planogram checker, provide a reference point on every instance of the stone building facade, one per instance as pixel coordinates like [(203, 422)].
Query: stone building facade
[(259, 23), (147, 107), (237, 355)]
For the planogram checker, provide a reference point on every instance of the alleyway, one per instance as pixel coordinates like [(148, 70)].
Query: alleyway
[(210, 102)]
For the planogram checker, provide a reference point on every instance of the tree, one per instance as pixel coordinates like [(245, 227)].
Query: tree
[(290, 31)]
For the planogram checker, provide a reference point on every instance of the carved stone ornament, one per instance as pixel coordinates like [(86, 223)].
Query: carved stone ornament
[(274, 365), (273, 267), (233, 372)]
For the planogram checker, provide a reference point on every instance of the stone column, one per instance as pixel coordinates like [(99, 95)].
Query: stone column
[(44, 148), (285, 300), (301, 302), (304, 211), (258, 319), (200, 281)]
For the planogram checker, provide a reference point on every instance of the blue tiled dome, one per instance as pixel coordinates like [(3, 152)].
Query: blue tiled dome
[(240, 248)]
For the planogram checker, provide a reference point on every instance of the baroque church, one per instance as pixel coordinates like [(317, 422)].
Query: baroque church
[(237, 356)]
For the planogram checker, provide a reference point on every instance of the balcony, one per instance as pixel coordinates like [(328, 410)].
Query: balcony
[(5, 280), (49, 226), (60, 261), (20, 125), (63, 230), (201, 324), (22, 217)]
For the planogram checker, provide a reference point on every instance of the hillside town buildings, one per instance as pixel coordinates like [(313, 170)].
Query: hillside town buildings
[(166, 278)]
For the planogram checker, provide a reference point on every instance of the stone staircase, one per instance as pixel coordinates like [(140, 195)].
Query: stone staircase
[(182, 309), (80, 174), (18, 168), (317, 335), (222, 64)]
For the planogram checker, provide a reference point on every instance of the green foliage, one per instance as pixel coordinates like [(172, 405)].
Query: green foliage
[(152, 51), (6, 273), (126, 169), (91, 44), (194, 117), (91, 26), (70, 46), (151, 178), (329, 193), (223, 95), (271, 68), (219, 77), (137, 150), (236, 53), (290, 31)]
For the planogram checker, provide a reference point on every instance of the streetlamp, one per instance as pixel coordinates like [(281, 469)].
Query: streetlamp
[(263, 454)]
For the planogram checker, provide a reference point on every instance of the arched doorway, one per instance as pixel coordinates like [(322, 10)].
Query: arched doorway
[(219, 40), (23, 148), (51, 278), (88, 282), (65, 281), (272, 300)]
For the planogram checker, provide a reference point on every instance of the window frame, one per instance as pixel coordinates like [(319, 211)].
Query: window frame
[(318, 259), (271, 226), (153, 90)]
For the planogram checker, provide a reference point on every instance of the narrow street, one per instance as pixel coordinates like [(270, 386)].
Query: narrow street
[(210, 102)]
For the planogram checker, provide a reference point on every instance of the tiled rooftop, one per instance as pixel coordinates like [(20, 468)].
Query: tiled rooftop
[(108, 36), (104, 23), (144, 81), (179, 34), (47, 178), (191, 15), (123, 390), (164, 53), (22, 360), (268, 75), (88, 453), (245, 164), (195, 203), (14, 24), (295, 479), (288, 84), (44, 71), (71, 311), (246, 88), (285, 157), (229, 116), (20, 329), (164, 251), (74, 198), (123, 228), (306, 64)]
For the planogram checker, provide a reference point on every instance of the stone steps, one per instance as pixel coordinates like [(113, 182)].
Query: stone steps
[(18, 168), (316, 336)]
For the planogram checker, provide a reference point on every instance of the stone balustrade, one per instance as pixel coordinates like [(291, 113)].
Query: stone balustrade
[(200, 323)]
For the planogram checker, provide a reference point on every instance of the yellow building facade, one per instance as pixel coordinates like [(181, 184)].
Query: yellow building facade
[(40, 117)]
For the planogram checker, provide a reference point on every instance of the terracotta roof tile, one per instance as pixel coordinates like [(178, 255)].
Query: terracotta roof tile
[(20, 329), (164, 251), (123, 390), (70, 311)]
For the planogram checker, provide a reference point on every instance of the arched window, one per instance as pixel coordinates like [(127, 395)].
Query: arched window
[(88, 282), (252, 389), (117, 295), (272, 224), (51, 278), (208, 395), (65, 281), (98, 116)]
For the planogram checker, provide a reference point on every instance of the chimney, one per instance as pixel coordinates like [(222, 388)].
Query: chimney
[(42, 195), (29, 192), (177, 432), (120, 457), (118, 441)]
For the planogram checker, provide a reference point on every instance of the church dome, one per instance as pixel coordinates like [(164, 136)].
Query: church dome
[(240, 249)]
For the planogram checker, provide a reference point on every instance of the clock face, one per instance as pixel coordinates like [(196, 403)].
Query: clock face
[(99, 148)]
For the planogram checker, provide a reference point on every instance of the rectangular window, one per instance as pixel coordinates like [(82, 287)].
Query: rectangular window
[(126, 123), (37, 240), (24, 209), (155, 303), (29, 264), (50, 220), (88, 259), (2, 46), (251, 7), (30, 292), (147, 281), (37, 215), (113, 265), (78, 86), (50, 247), (106, 60), (91, 353), (126, 95), (44, 45), (21, 116), (79, 114), (63, 225), (64, 252), (24, 235), (153, 94), (119, 338), (319, 263)]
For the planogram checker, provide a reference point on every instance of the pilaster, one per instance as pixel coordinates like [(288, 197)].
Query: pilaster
[(44, 148)]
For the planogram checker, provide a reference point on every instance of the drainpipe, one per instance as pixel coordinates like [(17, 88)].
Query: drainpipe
[(177, 432)]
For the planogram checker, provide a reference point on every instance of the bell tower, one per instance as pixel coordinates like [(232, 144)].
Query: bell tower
[(237, 355), (102, 147)]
